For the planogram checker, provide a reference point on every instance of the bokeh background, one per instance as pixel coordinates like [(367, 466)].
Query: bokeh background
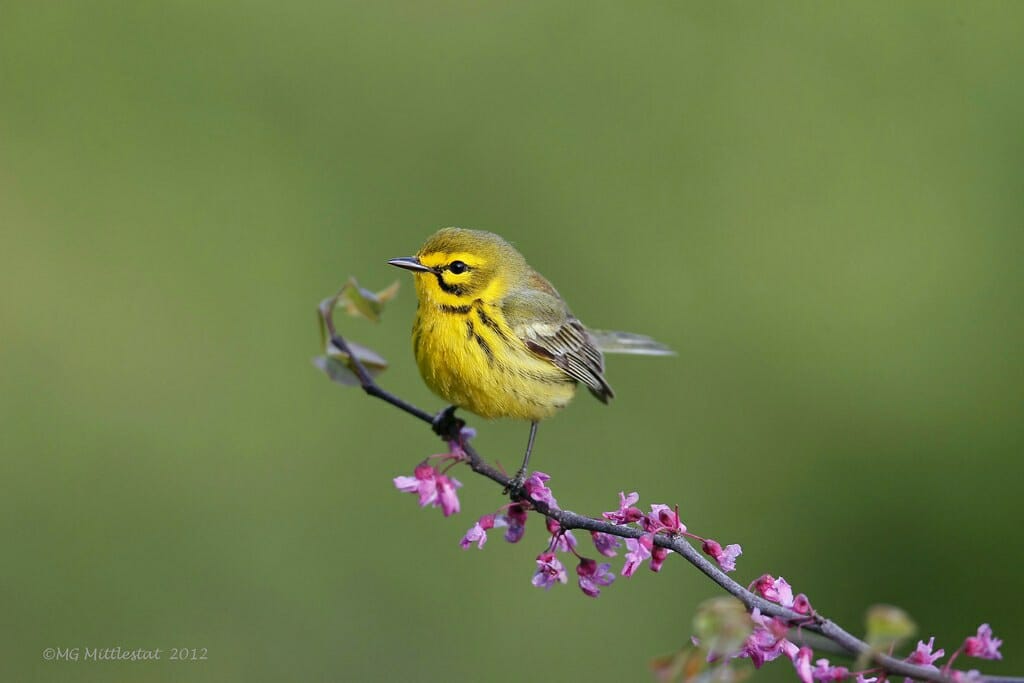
[(818, 204)]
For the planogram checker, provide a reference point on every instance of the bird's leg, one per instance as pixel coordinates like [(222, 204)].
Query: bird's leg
[(446, 425), (517, 481)]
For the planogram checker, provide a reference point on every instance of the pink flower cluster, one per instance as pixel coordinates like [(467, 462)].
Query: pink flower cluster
[(514, 517), (591, 575), (768, 641), (665, 520), (768, 638), (432, 487), (982, 645), (778, 590)]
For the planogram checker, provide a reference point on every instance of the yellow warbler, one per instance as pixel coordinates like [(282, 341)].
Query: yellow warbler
[(494, 337)]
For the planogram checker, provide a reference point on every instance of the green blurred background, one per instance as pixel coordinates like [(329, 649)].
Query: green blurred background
[(818, 204)]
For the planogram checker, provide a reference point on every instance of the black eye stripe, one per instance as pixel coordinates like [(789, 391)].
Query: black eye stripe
[(457, 290)]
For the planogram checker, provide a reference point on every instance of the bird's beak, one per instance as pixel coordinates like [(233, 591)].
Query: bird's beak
[(411, 263)]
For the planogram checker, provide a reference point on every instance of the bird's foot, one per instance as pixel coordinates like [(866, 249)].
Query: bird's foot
[(514, 488), (447, 426)]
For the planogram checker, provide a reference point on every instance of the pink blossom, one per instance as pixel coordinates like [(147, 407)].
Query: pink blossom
[(776, 590), (774, 625), (515, 519), (565, 542), (802, 664), (592, 575), (761, 584), (478, 533), (626, 512), (549, 570), (536, 490), (658, 555), (923, 654), (638, 550), (726, 558), (767, 642), (432, 487), (972, 676), (983, 645), (422, 482), (606, 544), (862, 679), (446, 494), (801, 605), (827, 673), (761, 646), (663, 518)]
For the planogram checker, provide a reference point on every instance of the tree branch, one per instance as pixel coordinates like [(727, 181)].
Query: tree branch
[(845, 641)]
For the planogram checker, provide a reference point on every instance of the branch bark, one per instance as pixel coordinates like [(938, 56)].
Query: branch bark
[(844, 640)]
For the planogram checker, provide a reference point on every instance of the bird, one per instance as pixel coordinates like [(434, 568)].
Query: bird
[(494, 337)]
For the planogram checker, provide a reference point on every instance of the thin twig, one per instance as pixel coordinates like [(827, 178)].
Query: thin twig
[(842, 639)]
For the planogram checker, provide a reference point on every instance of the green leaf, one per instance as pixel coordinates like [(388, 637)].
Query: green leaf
[(886, 627), (371, 360), (336, 371), (356, 301), (360, 302), (339, 367), (722, 624), (388, 293)]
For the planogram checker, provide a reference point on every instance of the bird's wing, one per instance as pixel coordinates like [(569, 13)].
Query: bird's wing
[(610, 341), (543, 322)]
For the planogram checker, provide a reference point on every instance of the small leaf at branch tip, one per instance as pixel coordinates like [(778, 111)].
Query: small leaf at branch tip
[(388, 293), (336, 371), (360, 302), (371, 360), (722, 625), (887, 625)]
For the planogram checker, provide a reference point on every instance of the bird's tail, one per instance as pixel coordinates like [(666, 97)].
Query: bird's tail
[(609, 341)]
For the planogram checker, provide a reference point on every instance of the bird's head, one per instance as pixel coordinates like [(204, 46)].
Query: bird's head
[(456, 266)]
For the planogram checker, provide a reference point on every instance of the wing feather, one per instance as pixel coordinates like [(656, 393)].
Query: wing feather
[(544, 323)]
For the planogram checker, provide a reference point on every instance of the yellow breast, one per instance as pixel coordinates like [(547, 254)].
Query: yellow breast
[(470, 357)]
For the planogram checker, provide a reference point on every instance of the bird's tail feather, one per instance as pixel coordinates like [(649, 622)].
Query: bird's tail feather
[(610, 341)]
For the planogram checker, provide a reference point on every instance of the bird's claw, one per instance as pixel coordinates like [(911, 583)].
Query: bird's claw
[(446, 425), (514, 488)]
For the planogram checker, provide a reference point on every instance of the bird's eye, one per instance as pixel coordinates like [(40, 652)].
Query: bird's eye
[(457, 267)]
